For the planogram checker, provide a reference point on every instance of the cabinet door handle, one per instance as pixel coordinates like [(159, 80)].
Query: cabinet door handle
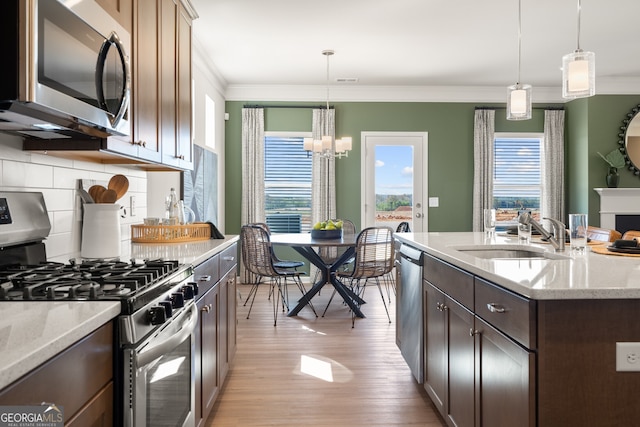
[(473, 332), (229, 258), (495, 308), (207, 308), (205, 278)]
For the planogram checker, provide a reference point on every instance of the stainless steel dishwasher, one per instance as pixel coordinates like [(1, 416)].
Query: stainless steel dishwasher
[(410, 316)]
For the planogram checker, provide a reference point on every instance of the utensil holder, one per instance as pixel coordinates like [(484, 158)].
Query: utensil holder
[(100, 231)]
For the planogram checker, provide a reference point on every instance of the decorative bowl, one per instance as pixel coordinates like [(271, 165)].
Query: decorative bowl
[(326, 234)]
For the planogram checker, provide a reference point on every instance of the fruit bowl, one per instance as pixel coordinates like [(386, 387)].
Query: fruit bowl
[(326, 234)]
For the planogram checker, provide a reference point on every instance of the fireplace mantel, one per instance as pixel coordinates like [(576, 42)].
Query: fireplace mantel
[(617, 201)]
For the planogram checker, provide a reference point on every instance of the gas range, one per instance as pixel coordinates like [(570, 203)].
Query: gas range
[(133, 283), (157, 322)]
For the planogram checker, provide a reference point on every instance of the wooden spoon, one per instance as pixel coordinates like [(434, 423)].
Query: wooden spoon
[(119, 184), (108, 196), (95, 191)]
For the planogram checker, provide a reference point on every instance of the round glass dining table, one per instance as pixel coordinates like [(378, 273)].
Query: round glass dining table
[(308, 247)]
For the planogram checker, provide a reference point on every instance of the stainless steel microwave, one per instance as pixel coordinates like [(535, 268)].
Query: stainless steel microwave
[(67, 70)]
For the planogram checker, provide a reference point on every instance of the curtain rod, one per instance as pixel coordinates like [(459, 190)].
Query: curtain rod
[(534, 108), (322, 107)]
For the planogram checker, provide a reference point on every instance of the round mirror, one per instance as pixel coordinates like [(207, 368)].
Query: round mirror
[(630, 140)]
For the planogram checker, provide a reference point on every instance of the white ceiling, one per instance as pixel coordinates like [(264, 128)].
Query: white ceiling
[(412, 49)]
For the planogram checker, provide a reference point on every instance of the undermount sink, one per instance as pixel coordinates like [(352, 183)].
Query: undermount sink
[(506, 252)]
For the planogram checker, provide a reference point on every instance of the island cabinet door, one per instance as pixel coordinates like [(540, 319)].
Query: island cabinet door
[(461, 343), (505, 380), (435, 351)]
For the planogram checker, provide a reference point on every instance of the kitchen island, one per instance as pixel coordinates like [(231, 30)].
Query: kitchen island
[(529, 339)]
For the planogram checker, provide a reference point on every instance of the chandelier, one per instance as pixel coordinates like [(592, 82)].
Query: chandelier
[(578, 71), (327, 146)]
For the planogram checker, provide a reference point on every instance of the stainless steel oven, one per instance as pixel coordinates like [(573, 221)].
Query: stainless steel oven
[(69, 70), (157, 343)]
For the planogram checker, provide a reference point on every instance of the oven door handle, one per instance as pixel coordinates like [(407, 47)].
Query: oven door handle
[(149, 355)]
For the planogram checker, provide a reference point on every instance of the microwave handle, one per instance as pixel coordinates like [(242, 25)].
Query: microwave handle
[(102, 57), (147, 356)]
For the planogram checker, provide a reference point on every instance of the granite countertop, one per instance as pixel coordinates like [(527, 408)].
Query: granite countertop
[(32, 332), (572, 276), (193, 253)]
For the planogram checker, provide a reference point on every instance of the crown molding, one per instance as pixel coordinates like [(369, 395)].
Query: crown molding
[(210, 71), (356, 93)]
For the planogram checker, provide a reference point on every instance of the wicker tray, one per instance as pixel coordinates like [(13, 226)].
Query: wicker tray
[(170, 233)]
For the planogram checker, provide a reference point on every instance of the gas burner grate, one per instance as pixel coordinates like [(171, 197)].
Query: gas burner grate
[(93, 279)]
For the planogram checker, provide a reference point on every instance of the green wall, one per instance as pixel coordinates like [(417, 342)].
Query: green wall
[(604, 119), (450, 169), (592, 125)]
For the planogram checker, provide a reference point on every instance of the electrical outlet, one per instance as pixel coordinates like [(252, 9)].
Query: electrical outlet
[(628, 356), (132, 205)]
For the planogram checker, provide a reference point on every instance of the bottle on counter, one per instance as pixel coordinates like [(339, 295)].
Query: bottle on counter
[(172, 207)]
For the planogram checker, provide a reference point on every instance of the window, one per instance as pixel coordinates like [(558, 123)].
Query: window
[(287, 171), (517, 183), (209, 122)]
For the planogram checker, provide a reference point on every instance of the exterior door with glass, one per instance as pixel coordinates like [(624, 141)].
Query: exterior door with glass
[(394, 185)]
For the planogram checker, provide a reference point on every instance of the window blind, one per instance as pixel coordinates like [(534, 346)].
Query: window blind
[(287, 183), (517, 179)]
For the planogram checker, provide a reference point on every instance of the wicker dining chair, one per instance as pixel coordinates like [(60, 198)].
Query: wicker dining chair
[(373, 260), (257, 257), (280, 264)]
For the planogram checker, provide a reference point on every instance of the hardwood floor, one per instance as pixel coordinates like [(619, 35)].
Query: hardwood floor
[(368, 383)]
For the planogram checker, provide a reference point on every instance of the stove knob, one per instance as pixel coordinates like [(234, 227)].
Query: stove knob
[(188, 291), (194, 285), (167, 308), (157, 315), (177, 300)]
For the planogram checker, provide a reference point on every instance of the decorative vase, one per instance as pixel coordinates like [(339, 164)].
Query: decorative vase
[(612, 178)]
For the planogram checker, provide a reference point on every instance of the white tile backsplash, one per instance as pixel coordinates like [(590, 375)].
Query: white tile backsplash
[(57, 179), (20, 174)]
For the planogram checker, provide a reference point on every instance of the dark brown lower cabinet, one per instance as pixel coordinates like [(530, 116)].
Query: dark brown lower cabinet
[(207, 353), (215, 342), (449, 350), (505, 380), (475, 374), (79, 379)]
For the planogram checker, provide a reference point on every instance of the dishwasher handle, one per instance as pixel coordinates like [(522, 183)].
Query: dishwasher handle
[(411, 254)]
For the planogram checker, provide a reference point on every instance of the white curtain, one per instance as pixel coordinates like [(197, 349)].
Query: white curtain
[(323, 181), (552, 166), (252, 209), (483, 141), (252, 165)]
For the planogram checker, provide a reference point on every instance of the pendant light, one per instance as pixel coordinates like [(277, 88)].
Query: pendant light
[(519, 95), (328, 146), (578, 71)]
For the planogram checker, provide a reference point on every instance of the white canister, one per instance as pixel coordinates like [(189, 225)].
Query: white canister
[(100, 231)]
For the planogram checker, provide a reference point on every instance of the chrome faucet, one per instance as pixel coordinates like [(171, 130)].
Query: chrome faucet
[(557, 240)]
